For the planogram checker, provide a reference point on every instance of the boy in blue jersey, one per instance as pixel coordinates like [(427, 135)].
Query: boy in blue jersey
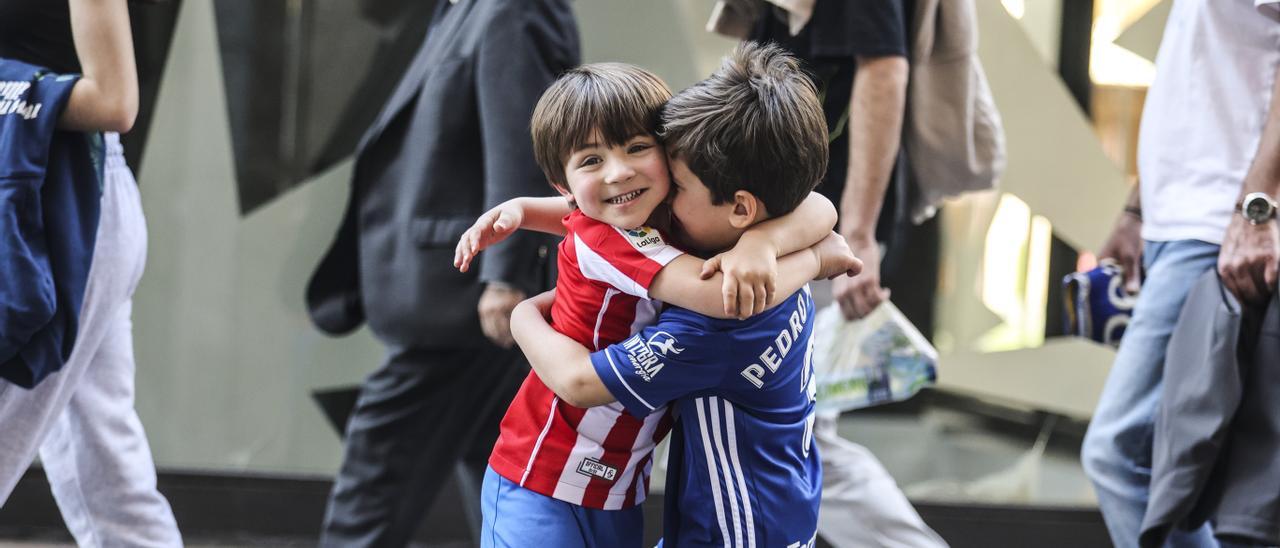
[(748, 141)]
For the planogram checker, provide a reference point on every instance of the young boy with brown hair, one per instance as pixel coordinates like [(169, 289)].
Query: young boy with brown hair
[(745, 145)]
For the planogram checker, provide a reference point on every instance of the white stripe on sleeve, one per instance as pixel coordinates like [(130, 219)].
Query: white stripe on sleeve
[(595, 267)]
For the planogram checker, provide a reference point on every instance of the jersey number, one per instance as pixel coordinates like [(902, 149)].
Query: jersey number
[(809, 385)]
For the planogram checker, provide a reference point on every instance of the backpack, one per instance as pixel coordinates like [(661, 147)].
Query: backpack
[(952, 130)]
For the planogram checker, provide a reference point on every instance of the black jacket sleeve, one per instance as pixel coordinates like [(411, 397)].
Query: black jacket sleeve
[(532, 43)]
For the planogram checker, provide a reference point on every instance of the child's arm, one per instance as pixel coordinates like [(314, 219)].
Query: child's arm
[(539, 214), (750, 268), (808, 224), (565, 366), (562, 364), (749, 282), (679, 283)]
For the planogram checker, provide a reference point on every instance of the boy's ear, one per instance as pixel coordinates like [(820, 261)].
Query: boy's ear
[(565, 192), (746, 210)]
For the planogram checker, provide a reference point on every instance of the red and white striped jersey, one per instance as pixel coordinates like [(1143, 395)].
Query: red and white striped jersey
[(598, 457)]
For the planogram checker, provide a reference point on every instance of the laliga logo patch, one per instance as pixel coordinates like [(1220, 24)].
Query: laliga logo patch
[(643, 236)]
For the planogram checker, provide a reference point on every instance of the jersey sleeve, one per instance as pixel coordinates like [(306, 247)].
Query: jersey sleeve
[(627, 260), (675, 357)]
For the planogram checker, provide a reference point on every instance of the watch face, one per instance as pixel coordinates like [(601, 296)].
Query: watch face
[(1257, 209)]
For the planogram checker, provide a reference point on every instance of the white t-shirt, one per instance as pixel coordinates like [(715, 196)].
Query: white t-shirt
[(1204, 114)]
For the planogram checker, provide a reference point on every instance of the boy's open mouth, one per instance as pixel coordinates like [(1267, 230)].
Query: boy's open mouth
[(624, 198)]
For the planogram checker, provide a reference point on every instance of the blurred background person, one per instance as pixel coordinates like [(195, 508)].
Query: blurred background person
[(1209, 164), (858, 53), (81, 419), (451, 142)]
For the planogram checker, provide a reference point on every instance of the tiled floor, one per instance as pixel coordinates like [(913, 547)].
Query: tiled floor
[(947, 455)]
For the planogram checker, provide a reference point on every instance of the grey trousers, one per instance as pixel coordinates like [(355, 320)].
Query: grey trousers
[(81, 419)]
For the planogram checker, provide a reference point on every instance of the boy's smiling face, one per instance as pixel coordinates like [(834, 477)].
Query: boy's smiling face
[(618, 185), (698, 223)]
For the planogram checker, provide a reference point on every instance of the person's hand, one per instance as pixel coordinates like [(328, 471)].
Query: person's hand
[(858, 296), (750, 270), (496, 303), (1124, 246), (492, 227), (835, 258), (1248, 260)]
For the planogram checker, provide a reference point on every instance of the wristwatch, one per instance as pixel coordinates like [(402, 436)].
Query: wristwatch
[(1257, 208)]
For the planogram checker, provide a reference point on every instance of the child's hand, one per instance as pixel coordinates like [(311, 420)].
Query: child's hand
[(492, 227), (750, 269), (835, 258)]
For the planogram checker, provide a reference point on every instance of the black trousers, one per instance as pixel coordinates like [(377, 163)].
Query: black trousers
[(416, 416)]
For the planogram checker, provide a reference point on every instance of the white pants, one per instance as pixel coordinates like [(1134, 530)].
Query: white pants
[(81, 419)]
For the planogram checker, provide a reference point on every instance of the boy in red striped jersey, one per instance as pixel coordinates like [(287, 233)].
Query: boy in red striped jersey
[(566, 476)]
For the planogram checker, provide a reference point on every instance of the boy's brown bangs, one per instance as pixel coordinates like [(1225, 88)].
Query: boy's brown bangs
[(618, 100), (617, 113)]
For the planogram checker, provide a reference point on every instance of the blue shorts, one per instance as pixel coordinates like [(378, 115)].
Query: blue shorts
[(515, 516)]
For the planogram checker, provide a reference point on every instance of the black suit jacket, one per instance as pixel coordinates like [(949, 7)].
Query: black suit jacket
[(451, 142)]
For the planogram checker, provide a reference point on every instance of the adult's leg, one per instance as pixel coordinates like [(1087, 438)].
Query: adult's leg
[(96, 453), (1116, 453), (97, 457), (472, 464), (27, 415), (415, 416), (861, 503)]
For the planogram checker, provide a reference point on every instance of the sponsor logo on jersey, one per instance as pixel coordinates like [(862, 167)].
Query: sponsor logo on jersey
[(664, 343), (646, 356), (596, 469), (643, 237)]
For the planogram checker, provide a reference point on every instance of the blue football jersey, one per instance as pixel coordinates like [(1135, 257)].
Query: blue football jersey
[(743, 470)]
